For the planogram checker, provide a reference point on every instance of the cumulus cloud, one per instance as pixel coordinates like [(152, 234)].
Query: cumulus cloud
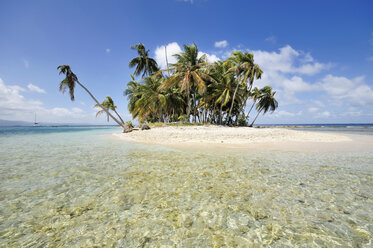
[(286, 61), (313, 109), (160, 54), (323, 114), (107, 50), (35, 88), (296, 84), (172, 49), (14, 106), (211, 58), (221, 44), (343, 90), (282, 113)]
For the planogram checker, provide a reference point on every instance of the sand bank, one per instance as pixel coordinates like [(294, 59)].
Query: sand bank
[(242, 137)]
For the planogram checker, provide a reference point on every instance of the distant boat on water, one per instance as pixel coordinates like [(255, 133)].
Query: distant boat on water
[(35, 123)]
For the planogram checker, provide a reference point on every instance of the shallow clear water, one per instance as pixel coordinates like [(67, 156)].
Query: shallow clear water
[(80, 187)]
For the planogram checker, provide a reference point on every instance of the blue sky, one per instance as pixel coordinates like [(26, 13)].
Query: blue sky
[(317, 55)]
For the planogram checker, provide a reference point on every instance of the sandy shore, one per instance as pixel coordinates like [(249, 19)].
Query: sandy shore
[(244, 137)]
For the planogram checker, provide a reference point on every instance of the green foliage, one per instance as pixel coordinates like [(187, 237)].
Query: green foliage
[(242, 122), (143, 63), (129, 124), (214, 93)]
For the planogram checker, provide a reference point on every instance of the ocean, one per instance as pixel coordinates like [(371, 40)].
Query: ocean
[(83, 187)]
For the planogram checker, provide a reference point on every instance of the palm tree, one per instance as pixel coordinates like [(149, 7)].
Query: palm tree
[(108, 103), (133, 94), (152, 102), (255, 95), (71, 80), (143, 62), (266, 102), (244, 69), (222, 91), (189, 74)]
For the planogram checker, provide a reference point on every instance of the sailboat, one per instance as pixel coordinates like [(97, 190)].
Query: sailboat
[(35, 123)]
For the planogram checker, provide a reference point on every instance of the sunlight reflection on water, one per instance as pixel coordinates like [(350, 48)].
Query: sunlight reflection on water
[(80, 189)]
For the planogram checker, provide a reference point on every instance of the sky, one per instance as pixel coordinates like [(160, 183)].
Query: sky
[(317, 55)]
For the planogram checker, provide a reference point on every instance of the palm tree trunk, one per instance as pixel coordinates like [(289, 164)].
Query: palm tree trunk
[(233, 98), (195, 108), (188, 107), (119, 116), (251, 107), (221, 114), (255, 118), (99, 104), (236, 120)]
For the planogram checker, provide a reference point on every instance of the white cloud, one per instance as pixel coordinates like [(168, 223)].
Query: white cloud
[(323, 114), (343, 90), (221, 44), (107, 50), (313, 109), (284, 70), (160, 54), (282, 113), (172, 49), (186, 1), (271, 39), (296, 84), (35, 88), (14, 106), (210, 58), (370, 58), (26, 63), (285, 61)]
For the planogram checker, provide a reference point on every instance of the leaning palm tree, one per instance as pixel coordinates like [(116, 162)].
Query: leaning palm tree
[(266, 102), (108, 103), (70, 82), (244, 69), (255, 95), (144, 64), (189, 74)]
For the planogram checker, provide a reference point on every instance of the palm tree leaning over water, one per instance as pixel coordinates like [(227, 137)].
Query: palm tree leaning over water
[(266, 102), (70, 81), (189, 75), (143, 62), (108, 103)]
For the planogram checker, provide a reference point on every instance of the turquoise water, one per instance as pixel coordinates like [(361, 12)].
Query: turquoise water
[(82, 187)]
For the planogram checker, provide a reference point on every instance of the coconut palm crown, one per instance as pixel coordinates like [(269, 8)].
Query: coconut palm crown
[(70, 82), (108, 103), (267, 102), (189, 74), (144, 64)]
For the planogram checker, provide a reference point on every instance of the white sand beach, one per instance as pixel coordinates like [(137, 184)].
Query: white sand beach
[(236, 137)]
